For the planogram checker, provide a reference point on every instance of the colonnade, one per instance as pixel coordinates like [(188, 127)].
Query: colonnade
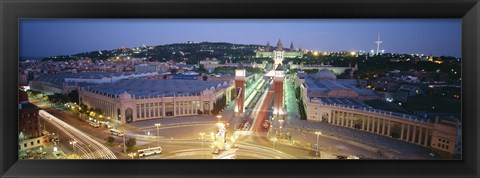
[(411, 130)]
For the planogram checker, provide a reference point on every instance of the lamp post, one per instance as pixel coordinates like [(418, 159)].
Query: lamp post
[(281, 125), (274, 139), (132, 154), (73, 142), (219, 117), (44, 127), (124, 145), (318, 133), (202, 137), (41, 152), (158, 135)]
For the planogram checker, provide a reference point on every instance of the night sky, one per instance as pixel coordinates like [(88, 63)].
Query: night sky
[(49, 37)]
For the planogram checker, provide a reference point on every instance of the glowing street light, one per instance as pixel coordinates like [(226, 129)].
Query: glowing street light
[(132, 154), (202, 137), (280, 121), (158, 135), (219, 117), (73, 142), (274, 139), (318, 134)]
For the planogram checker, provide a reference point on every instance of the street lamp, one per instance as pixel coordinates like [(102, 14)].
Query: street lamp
[(41, 152), (318, 133), (202, 137), (158, 135), (219, 117), (274, 139), (132, 154), (73, 142), (281, 125), (124, 145)]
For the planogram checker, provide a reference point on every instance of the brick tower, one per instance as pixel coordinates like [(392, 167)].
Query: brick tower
[(278, 109), (240, 91)]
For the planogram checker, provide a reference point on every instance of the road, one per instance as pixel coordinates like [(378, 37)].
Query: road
[(262, 113), (179, 137), (89, 147)]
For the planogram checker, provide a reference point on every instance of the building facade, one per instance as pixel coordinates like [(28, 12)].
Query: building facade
[(336, 70), (279, 52), (28, 122), (278, 99), (240, 91), (66, 82), (337, 102), (134, 100)]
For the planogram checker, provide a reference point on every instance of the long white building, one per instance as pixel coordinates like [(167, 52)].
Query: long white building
[(66, 82), (339, 102), (133, 100)]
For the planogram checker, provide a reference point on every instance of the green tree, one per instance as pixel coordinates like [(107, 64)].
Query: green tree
[(98, 111), (73, 96), (110, 139), (219, 105), (201, 69), (131, 143)]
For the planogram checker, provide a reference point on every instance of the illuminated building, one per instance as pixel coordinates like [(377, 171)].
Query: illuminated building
[(131, 100)]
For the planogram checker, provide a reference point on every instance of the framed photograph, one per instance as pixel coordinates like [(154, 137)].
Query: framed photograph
[(239, 88)]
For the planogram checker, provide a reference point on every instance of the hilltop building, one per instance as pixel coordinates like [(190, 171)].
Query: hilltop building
[(279, 53)]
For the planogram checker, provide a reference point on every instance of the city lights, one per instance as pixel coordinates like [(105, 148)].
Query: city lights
[(286, 97)]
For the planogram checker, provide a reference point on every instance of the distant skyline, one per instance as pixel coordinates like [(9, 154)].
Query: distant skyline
[(51, 37)]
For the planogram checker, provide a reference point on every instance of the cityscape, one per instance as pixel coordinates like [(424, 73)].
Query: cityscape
[(238, 97)]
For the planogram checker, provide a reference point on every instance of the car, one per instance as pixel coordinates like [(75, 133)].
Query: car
[(94, 124)]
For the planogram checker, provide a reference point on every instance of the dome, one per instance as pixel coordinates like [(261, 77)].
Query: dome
[(324, 74)]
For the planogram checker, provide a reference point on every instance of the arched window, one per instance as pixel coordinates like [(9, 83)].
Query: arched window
[(119, 114), (129, 115)]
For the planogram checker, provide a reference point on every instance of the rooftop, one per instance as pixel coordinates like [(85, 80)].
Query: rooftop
[(323, 87), (356, 104), (156, 88), (58, 79)]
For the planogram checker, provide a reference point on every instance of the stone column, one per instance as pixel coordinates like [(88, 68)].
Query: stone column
[(378, 125), (330, 116), (340, 117), (147, 108), (201, 103), (388, 129), (352, 118), (408, 133), (174, 106), (401, 133), (163, 106), (383, 126), (414, 133), (332, 121), (368, 123), (363, 122), (420, 136), (425, 141), (185, 107)]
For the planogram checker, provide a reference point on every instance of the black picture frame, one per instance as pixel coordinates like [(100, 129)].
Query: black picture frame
[(11, 11)]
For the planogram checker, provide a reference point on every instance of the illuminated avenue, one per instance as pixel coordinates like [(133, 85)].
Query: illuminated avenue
[(282, 103)]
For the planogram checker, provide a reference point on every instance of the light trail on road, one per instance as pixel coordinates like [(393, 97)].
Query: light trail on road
[(91, 148)]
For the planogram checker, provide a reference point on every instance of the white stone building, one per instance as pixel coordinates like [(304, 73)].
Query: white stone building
[(133, 100)]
